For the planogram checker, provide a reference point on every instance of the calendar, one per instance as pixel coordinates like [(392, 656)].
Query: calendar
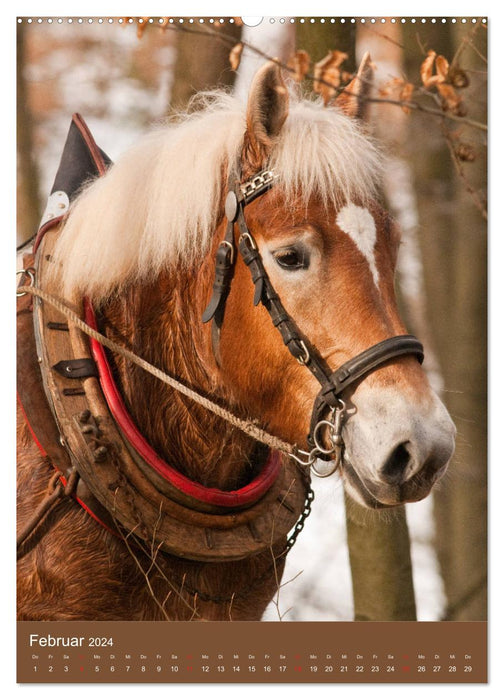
[(251, 332), (249, 653)]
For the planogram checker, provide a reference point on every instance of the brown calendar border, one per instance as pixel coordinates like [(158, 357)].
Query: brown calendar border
[(252, 652)]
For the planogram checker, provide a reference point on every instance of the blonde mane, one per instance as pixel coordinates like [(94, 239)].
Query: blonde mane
[(158, 204)]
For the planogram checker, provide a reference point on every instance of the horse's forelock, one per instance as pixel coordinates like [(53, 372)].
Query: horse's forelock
[(323, 152)]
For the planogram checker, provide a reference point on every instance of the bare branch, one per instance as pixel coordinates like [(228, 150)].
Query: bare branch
[(406, 105), (429, 110), (462, 174)]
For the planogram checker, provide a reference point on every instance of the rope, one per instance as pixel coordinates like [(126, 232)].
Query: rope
[(247, 427)]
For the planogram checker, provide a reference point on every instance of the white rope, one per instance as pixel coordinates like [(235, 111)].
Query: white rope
[(245, 426)]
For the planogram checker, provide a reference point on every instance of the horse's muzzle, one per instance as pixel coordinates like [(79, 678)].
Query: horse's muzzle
[(395, 451)]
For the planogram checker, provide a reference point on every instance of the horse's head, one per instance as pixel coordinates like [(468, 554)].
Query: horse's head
[(143, 238), (330, 251)]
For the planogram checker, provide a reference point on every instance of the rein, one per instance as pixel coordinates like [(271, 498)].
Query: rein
[(248, 427)]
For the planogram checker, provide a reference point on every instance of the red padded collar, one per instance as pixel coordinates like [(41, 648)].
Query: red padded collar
[(245, 496)]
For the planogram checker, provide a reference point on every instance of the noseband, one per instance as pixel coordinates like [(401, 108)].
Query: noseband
[(333, 383)]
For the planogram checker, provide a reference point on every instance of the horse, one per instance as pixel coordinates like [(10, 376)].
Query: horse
[(221, 248)]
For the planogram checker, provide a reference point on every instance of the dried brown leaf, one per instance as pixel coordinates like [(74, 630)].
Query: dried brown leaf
[(465, 152), (299, 64), (458, 78), (328, 71), (426, 70), (386, 88), (235, 55), (392, 86), (327, 90), (142, 26), (442, 67), (445, 81), (334, 59)]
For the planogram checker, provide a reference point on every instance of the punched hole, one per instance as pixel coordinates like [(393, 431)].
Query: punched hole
[(252, 21)]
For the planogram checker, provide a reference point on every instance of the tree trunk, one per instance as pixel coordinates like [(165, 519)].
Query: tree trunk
[(202, 63), (461, 503), (28, 199), (379, 550), (378, 542)]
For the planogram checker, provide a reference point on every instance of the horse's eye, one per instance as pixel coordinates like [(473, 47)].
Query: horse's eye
[(292, 258)]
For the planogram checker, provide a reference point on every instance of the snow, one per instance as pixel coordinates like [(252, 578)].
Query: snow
[(319, 584), (267, 39)]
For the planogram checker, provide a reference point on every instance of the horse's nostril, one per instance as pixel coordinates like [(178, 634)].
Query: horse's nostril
[(394, 468)]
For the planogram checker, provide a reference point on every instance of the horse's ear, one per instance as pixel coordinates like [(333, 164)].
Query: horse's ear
[(267, 109), (352, 101)]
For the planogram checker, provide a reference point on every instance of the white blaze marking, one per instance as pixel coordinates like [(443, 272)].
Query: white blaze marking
[(358, 223)]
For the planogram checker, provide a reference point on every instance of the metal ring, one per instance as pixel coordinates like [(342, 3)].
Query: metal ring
[(341, 407), (337, 416), (323, 450), (31, 274), (310, 455), (323, 475)]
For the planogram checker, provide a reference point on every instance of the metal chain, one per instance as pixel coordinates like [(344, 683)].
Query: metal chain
[(291, 541), (258, 182)]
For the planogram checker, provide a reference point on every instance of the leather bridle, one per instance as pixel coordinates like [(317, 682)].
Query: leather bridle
[(333, 383)]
